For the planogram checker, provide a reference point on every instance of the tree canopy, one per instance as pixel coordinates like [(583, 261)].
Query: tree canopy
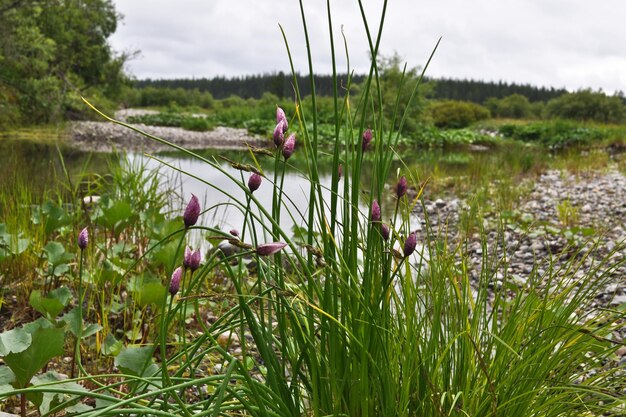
[(51, 51)]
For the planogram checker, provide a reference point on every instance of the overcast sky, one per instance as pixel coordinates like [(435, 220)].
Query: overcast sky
[(560, 43)]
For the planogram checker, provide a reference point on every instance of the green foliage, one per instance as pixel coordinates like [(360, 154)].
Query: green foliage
[(52, 304), (153, 96), (557, 134), (50, 49), (46, 342), (58, 259), (587, 105), (435, 138), (452, 114), (515, 106), (567, 213), (137, 361), (11, 244), (52, 216), (397, 84)]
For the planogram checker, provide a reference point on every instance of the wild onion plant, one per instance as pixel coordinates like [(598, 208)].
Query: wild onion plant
[(367, 316)]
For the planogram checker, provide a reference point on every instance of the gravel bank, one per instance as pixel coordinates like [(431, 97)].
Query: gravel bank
[(103, 136), (534, 237)]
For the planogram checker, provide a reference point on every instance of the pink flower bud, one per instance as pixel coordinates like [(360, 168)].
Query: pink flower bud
[(83, 239), (290, 145), (280, 117), (234, 232), (192, 259), (401, 187), (192, 212), (175, 281), (187, 257), (279, 134), (196, 258), (375, 211), (367, 138), (254, 182), (340, 171), (384, 231), (267, 249), (409, 244)]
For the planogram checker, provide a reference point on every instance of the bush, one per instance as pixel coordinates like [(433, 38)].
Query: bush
[(515, 106), (558, 133), (456, 114), (586, 105)]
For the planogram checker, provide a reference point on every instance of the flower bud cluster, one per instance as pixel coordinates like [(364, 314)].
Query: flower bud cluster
[(289, 144)]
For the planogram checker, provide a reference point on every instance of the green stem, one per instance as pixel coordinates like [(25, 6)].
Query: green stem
[(165, 320)]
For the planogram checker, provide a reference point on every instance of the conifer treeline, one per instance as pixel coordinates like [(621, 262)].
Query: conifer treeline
[(253, 86), (280, 84), (481, 91)]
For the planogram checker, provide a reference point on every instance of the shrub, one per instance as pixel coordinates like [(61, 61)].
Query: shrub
[(556, 133), (515, 106), (456, 114), (587, 105)]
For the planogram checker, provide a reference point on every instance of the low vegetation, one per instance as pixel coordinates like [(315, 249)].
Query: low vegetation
[(120, 297)]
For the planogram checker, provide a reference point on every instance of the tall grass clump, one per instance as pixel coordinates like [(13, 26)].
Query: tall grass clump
[(361, 315)]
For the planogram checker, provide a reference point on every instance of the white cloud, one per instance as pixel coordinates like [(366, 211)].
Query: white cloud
[(574, 43)]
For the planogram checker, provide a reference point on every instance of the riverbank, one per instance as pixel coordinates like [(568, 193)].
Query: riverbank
[(104, 136)]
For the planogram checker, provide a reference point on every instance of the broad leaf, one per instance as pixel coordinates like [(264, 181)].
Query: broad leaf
[(52, 304), (72, 319), (14, 341), (6, 379), (56, 254), (47, 343), (51, 400), (147, 289), (111, 346), (137, 361)]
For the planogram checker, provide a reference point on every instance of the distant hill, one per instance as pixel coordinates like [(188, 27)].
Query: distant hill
[(280, 84)]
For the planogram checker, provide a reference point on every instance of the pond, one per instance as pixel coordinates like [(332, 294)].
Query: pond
[(459, 172)]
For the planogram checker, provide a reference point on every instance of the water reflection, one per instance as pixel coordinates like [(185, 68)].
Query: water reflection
[(226, 199)]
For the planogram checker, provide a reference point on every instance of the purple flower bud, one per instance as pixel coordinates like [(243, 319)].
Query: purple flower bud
[(290, 145), (367, 138), (234, 232), (280, 117), (192, 212), (375, 211), (196, 258), (187, 257), (83, 239), (267, 249), (384, 231), (401, 187), (175, 281), (192, 259), (279, 134), (340, 171), (254, 182), (409, 244)]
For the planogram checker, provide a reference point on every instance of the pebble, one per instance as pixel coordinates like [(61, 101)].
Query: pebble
[(227, 339)]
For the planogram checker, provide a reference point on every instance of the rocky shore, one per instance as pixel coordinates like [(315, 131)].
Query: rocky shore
[(104, 136), (535, 240)]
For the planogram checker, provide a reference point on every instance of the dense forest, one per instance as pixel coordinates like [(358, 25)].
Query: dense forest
[(280, 84)]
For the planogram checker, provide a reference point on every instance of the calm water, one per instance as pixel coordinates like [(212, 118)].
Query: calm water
[(40, 165)]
